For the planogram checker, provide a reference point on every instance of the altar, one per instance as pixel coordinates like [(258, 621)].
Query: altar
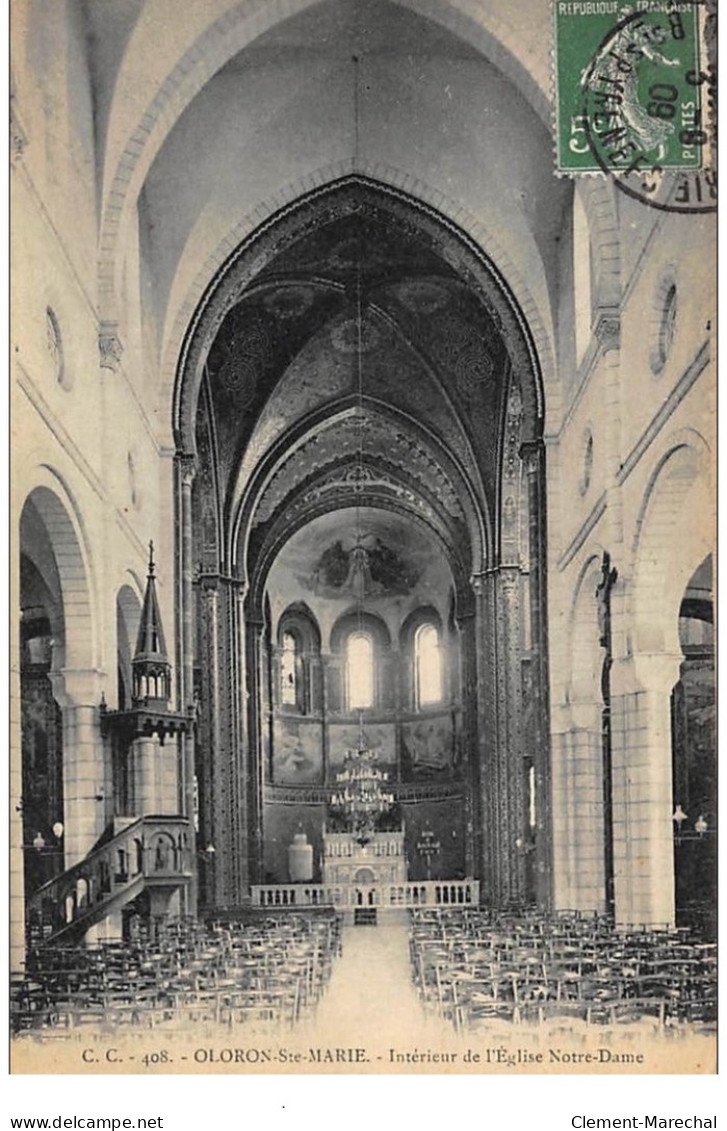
[(380, 860)]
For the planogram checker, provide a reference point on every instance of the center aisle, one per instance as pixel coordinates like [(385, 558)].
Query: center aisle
[(370, 996)]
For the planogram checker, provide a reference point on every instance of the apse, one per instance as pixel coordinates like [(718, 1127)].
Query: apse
[(361, 647)]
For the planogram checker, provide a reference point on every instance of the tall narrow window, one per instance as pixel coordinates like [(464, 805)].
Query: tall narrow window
[(288, 671), (359, 671), (428, 666)]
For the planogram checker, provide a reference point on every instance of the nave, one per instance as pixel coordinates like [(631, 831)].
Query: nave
[(363, 537), (429, 979)]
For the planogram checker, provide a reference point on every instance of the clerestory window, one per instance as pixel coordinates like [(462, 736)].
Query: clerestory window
[(428, 666), (359, 671)]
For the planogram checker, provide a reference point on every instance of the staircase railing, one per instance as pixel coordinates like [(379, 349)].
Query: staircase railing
[(154, 851)]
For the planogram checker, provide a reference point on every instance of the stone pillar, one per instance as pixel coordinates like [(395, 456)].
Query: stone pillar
[(509, 752), (209, 655), (223, 739), (472, 732), (642, 789), (499, 708), (577, 816), (254, 628), (84, 787), (325, 719), (154, 775), (533, 456), (16, 878), (241, 743), (185, 468), (143, 754)]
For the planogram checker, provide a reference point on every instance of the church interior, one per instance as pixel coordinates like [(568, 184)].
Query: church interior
[(363, 494)]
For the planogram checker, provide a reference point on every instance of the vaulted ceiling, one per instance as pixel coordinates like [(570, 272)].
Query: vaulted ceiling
[(358, 355)]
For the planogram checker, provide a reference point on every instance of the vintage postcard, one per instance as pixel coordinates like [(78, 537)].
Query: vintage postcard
[(363, 418)]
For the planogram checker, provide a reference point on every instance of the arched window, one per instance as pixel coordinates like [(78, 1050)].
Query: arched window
[(289, 670), (294, 686), (428, 666), (359, 671)]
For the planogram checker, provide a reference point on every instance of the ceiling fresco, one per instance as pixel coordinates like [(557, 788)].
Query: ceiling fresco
[(361, 558)]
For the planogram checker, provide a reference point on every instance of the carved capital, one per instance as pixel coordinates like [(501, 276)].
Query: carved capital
[(478, 582), (110, 348), (509, 580), (608, 331), (241, 586), (209, 583), (531, 454), (187, 464), (18, 136)]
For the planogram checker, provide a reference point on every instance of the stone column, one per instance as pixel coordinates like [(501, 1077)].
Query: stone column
[(16, 877), (510, 883), (185, 468), (144, 753), (325, 720), (242, 749), (79, 694), (473, 692), (643, 804), (254, 628), (218, 866), (533, 456)]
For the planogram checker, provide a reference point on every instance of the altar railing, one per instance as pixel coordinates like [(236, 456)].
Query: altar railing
[(421, 893)]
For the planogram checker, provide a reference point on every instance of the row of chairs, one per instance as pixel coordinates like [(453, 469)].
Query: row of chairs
[(184, 974), (479, 967)]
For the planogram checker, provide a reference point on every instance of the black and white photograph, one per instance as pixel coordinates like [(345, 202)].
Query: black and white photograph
[(363, 522)]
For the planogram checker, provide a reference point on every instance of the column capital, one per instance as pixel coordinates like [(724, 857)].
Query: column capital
[(78, 687), (18, 135), (110, 347), (187, 464), (530, 453), (607, 330), (478, 583), (509, 578), (209, 582)]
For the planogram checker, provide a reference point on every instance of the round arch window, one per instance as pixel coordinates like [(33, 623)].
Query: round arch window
[(54, 341)]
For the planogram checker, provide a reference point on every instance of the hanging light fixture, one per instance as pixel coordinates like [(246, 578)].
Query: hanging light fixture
[(361, 796)]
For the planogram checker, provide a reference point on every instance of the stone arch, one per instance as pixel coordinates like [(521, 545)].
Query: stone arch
[(470, 227), (694, 756), (451, 241), (476, 551), (673, 533), (584, 647), (209, 46), (59, 520), (579, 810), (54, 675)]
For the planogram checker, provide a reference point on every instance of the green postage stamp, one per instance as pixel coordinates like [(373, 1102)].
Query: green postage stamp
[(632, 85)]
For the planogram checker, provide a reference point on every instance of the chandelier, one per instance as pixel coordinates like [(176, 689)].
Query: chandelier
[(361, 796)]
